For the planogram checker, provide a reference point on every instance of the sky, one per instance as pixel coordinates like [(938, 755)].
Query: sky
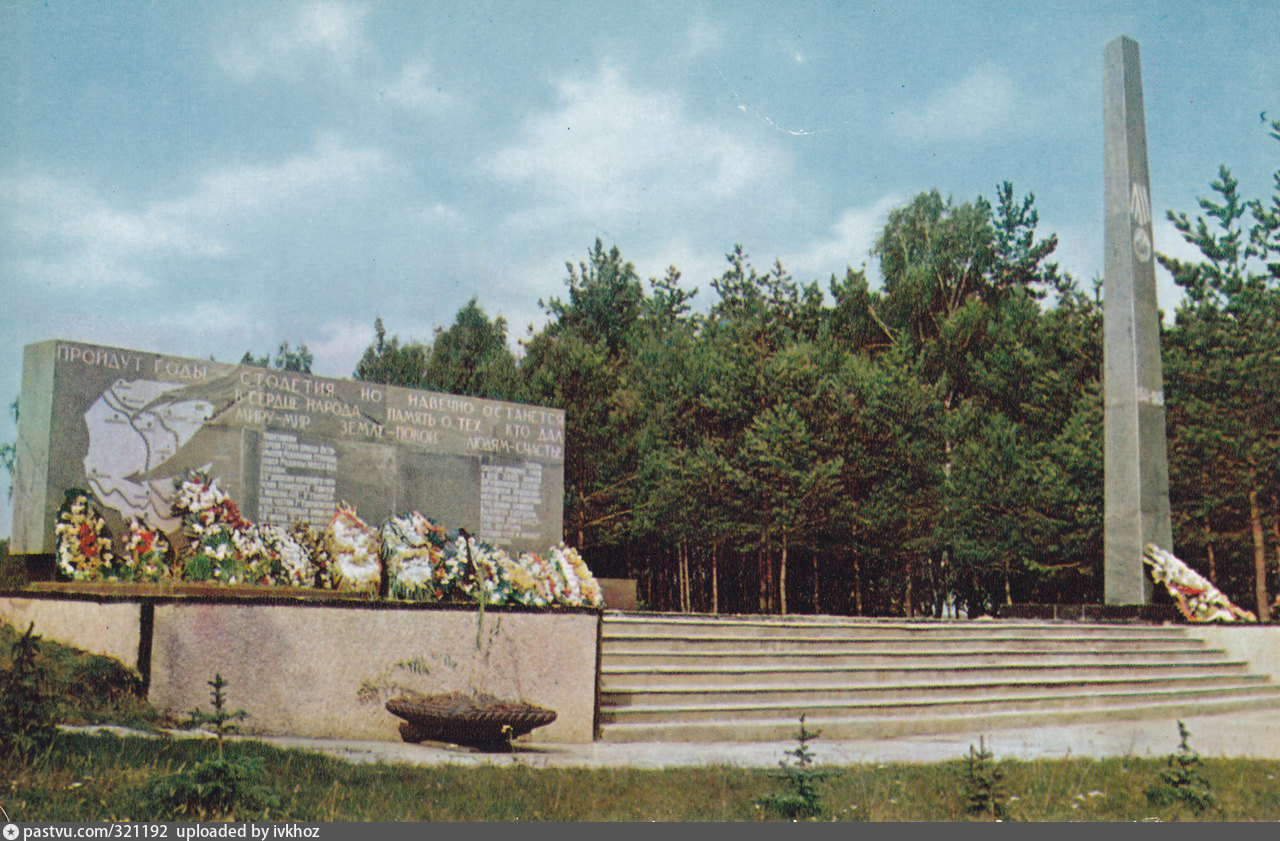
[(208, 178)]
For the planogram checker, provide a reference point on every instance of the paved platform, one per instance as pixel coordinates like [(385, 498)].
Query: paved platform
[(1253, 734)]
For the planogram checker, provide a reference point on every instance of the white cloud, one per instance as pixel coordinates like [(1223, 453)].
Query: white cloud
[(415, 89), (342, 345), (848, 242), (334, 27), (80, 270), (702, 36), (439, 213), (974, 106), (610, 149), (330, 31), (332, 167), (76, 238), (211, 317), (47, 208)]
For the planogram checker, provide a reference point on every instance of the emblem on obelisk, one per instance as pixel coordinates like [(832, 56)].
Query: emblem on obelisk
[(1140, 210)]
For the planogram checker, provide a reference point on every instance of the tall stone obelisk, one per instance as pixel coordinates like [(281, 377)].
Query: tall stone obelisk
[(1136, 483)]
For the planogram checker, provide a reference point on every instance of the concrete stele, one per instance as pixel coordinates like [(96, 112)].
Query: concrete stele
[(1136, 485), (126, 425)]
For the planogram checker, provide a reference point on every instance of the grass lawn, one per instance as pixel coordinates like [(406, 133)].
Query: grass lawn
[(87, 688), (98, 777)]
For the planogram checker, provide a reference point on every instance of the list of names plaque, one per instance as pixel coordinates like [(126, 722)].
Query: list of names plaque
[(509, 497), (298, 480)]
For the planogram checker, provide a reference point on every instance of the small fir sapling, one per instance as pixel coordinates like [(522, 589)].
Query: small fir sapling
[(803, 800), (27, 726), (218, 786), (984, 784), (1183, 782)]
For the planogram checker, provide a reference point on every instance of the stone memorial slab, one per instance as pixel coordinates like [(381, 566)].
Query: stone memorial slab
[(126, 424)]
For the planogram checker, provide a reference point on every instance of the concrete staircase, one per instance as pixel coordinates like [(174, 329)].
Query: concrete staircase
[(709, 678)]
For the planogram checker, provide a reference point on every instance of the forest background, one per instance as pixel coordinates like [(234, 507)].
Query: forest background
[(929, 447)]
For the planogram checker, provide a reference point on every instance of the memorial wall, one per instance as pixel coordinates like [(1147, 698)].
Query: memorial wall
[(126, 425)]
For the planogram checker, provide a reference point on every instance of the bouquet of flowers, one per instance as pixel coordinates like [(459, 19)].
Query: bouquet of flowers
[(147, 552), (229, 548), (543, 577), (421, 560), (416, 582), (353, 546), (321, 571), (413, 558), (215, 558), (579, 585), (477, 570), (272, 555), (84, 541), (204, 507), (1198, 599), (526, 588), (454, 570), (293, 555), (212, 521), (259, 563)]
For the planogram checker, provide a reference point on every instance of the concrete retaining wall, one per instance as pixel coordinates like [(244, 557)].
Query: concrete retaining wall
[(1257, 644), (326, 669), (113, 628)]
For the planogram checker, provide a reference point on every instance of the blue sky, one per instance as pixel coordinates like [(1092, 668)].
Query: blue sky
[(206, 178)]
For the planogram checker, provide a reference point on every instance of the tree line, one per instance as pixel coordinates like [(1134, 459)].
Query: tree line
[(928, 446)]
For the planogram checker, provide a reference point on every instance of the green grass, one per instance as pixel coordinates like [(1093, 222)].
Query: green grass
[(87, 688), (92, 777)]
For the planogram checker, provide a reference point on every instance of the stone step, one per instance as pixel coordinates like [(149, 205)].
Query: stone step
[(786, 675), (702, 678), (619, 644), (860, 658), (864, 727), (941, 705), (748, 695), (840, 627)]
